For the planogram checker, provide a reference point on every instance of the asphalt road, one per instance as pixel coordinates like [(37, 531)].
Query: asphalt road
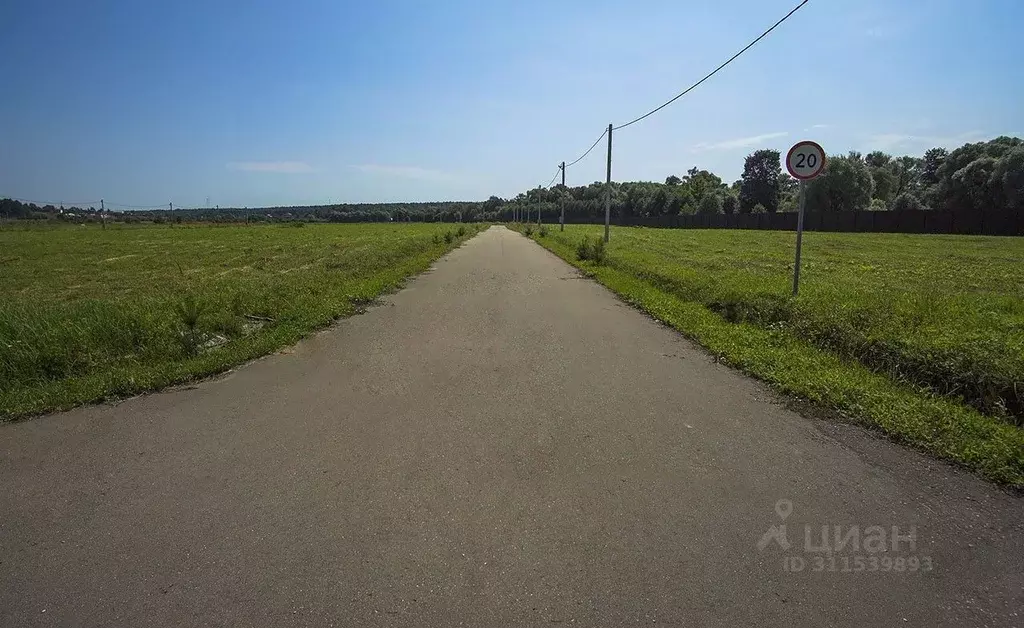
[(500, 443)]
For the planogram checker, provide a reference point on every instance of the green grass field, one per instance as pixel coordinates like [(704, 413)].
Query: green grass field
[(921, 336), (89, 314)]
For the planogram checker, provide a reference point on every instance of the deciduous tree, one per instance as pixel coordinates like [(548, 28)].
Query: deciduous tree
[(760, 181)]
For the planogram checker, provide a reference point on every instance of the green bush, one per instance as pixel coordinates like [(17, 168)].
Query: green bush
[(190, 311), (449, 237), (583, 250), (528, 231), (591, 250), (543, 231)]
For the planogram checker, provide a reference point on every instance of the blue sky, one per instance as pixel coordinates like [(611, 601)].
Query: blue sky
[(259, 103)]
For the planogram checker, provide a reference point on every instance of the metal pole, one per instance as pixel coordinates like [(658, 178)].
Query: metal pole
[(608, 187), (103, 214), (562, 196), (799, 237)]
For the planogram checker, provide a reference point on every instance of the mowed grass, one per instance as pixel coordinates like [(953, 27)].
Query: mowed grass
[(89, 314), (921, 336)]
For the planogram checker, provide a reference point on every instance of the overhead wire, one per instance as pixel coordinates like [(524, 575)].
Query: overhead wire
[(715, 71), (559, 171), (690, 88), (44, 203), (580, 158), (136, 206)]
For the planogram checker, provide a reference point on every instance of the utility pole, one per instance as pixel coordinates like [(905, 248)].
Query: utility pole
[(103, 214), (171, 206), (562, 196), (608, 188)]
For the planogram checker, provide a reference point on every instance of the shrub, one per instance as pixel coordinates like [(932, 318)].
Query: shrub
[(592, 250), (449, 237), (462, 231), (529, 230), (583, 250), (543, 231), (877, 205), (907, 201), (758, 209), (437, 238), (190, 310)]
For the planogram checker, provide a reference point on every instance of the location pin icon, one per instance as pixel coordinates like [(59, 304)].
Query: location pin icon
[(783, 508)]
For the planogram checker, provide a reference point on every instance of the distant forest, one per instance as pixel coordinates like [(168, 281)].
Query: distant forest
[(976, 176)]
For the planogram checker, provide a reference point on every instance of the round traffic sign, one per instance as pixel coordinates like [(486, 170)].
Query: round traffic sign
[(805, 160)]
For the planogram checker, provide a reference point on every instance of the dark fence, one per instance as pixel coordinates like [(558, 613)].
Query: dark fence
[(969, 222)]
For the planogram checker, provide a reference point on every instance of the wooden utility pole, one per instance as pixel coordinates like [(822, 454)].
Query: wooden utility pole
[(608, 187), (562, 196)]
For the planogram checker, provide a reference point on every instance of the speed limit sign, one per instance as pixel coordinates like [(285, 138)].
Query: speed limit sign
[(805, 160)]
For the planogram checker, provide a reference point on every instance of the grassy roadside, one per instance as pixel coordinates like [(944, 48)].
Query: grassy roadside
[(91, 314), (940, 425)]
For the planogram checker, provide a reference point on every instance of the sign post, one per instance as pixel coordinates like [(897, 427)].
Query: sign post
[(804, 161)]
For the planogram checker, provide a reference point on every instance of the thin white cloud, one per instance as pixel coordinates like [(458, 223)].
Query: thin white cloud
[(742, 142), (817, 127), (409, 172), (893, 141), (270, 166)]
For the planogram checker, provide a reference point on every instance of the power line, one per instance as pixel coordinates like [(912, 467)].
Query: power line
[(715, 71), (588, 150), (136, 206), (559, 171), (44, 203)]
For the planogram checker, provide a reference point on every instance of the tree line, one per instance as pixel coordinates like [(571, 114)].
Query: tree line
[(976, 176), (453, 211)]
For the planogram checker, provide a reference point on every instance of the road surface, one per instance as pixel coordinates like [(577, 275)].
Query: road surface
[(500, 443)]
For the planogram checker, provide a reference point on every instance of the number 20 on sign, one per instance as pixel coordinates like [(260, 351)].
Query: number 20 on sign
[(804, 161)]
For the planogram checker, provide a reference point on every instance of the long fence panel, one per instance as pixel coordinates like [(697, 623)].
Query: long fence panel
[(966, 222)]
